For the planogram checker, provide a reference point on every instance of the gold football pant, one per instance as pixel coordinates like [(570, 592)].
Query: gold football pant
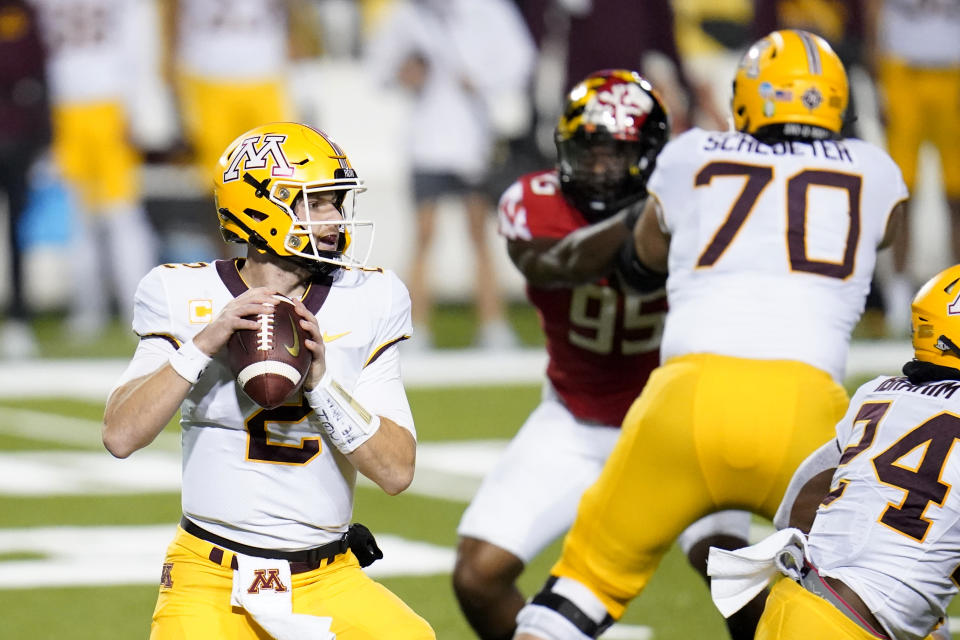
[(91, 144), (793, 613), (707, 433), (194, 600), (922, 104), (215, 112)]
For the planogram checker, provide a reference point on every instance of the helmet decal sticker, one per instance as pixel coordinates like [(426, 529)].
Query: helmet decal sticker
[(618, 108), (256, 157), (811, 98)]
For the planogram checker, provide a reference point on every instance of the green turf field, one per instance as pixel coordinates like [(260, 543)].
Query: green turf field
[(62, 434)]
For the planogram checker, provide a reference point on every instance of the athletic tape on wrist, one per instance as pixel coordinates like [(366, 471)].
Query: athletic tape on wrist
[(345, 421), (189, 362)]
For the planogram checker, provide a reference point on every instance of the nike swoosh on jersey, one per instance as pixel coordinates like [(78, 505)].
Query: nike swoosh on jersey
[(331, 337), (294, 350)]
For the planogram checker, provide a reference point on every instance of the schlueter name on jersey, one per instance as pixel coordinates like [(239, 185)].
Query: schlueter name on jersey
[(945, 388), (743, 143)]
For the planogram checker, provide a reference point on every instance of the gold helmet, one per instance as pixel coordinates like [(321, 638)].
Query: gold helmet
[(791, 82), (265, 172), (935, 319)]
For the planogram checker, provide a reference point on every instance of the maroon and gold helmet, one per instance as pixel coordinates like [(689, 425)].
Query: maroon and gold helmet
[(612, 128)]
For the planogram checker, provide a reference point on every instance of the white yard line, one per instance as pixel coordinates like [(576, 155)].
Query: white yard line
[(448, 470), (93, 379), (74, 556)]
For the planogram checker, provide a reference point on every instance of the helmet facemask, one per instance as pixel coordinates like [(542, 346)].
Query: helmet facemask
[(601, 175), (327, 231)]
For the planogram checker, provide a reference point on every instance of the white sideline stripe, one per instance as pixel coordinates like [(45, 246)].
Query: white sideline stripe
[(447, 470), (51, 427), (75, 556), (93, 379)]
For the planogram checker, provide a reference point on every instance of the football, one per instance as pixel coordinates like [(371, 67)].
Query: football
[(270, 363)]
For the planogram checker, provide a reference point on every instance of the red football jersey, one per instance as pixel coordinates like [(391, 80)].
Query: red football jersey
[(602, 341)]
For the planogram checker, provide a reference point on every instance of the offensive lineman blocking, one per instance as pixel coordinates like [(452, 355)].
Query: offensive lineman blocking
[(265, 543), (564, 229), (770, 234)]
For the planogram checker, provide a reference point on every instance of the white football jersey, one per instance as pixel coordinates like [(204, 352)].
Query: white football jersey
[(267, 477), (235, 40), (772, 248), (889, 527), (87, 48)]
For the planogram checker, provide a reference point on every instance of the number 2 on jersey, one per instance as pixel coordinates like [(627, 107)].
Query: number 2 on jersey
[(259, 447), (757, 179)]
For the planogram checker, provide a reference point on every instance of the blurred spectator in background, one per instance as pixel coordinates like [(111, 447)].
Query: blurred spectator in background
[(914, 53), (228, 62), (24, 133), (468, 64), (609, 34), (88, 69)]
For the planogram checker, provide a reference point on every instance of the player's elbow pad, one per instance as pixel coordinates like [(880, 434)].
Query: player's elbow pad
[(634, 273)]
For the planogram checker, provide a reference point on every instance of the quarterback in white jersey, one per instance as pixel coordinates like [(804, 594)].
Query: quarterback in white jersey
[(881, 555), (767, 237), (226, 434), (268, 492)]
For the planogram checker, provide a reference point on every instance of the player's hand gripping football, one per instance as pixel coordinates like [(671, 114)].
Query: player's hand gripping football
[(314, 342), (240, 313)]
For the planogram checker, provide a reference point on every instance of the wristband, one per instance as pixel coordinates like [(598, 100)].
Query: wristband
[(189, 362), (344, 420)]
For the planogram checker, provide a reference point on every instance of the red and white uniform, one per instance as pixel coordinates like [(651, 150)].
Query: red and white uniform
[(602, 344)]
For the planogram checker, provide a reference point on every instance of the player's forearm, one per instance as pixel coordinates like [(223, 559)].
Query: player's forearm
[(388, 457), (581, 257), (139, 410)]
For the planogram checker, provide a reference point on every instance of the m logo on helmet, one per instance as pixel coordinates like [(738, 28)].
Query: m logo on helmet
[(255, 152)]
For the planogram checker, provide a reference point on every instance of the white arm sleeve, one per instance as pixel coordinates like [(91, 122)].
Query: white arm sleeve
[(380, 390), (826, 457), (151, 354)]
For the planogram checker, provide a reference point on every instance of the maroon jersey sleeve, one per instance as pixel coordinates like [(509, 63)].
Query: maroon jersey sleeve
[(602, 342)]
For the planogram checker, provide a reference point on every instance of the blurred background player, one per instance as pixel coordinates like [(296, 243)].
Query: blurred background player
[(881, 550), (254, 499), (24, 134), (461, 76), (91, 58), (914, 52), (770, 233), (228, 62), (564, 228)]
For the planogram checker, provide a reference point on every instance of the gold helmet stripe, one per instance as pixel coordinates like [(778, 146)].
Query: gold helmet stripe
[(813, 53)]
